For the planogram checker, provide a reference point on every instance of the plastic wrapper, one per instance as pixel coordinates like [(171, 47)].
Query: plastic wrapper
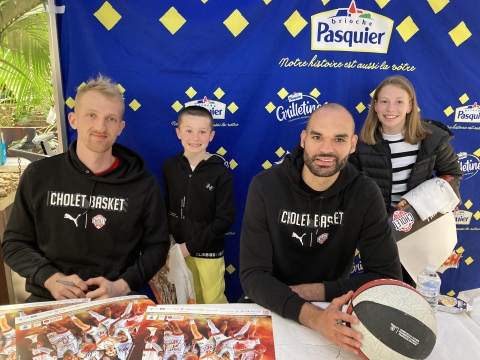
[(452, 305)]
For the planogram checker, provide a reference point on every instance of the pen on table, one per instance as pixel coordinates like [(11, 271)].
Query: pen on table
[(69, 283)]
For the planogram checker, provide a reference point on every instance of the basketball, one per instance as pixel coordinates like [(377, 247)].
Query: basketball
[(239, 346), (395, 320), (260, 348)]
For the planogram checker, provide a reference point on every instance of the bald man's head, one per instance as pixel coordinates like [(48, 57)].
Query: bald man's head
[(332, 107)]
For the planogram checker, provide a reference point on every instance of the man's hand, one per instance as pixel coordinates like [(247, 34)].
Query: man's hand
[(63, 292), (183, 249), (310, 292), (329, 323), (107, 289)]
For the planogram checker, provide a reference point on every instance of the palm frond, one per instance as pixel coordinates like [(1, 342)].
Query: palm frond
[(25, 73)]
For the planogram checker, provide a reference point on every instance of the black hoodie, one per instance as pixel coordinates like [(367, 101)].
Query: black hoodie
[(199, 204), (66, 219), (291, 237)]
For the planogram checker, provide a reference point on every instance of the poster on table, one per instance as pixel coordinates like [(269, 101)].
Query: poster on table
[(8, 314), (101, 328), (195, 332)]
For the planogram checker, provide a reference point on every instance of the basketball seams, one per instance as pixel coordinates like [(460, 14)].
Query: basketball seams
[(403, 299), (373, 348)]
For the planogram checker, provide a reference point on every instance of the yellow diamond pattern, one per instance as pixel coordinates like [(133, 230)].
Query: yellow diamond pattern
[(267, 164), (81, 85), (464, 98), (407, 28), (236, 23), (280, 152), (219, 93), (107, 15), (451, 293), (191, 92), (270, 107), (267, 2), (230, 268), (233, 164), (357, 252), (438, 5), (325, 2), (469, 260), (382, 3), (460, 250), (134, 105), (120, 88), (372, 94), (477, 215), (477, 153), (232, 107), (468, 204), (282, 93), (295, 23), (221, 151), (449, 111), (315, 93), (172, 20), (70, 102), (204, 1), (360, 107), (460, 34), (177, 106)]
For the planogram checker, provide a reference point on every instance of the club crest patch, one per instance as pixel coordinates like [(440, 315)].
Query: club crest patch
[(403, 221), (98, 221), (322, 238)]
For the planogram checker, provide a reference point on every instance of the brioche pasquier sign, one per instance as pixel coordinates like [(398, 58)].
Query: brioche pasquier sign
[(351, 29)]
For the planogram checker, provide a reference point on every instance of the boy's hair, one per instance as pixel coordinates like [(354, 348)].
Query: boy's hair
[(414, 131), (195, 111), (104, 86)]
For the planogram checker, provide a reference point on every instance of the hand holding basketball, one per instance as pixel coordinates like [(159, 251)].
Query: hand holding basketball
[(329, 323)]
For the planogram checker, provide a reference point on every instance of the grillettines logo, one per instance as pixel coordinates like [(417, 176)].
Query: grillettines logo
[(351, 29), (468, 114), (216, 108), (469, 163), (299, 106)]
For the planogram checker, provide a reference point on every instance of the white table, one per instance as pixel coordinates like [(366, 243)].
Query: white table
[(458, 338)]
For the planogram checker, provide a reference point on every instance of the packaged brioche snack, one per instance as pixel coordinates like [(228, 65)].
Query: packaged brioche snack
[(452, 305)]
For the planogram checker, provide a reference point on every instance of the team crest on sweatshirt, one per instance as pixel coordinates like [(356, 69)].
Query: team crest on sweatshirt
[(98, 221), (322, 238)]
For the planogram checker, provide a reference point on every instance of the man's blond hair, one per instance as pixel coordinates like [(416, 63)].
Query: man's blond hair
[(104, 86)]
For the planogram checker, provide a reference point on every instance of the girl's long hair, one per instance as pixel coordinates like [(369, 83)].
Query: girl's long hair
[(414, 131)]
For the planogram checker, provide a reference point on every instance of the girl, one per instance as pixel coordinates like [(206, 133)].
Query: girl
[(398, 149)]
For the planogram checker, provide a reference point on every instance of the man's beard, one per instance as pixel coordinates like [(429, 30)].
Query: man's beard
[(323, 171)]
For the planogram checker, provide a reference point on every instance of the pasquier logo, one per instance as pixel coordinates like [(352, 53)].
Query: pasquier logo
[(351, 29)]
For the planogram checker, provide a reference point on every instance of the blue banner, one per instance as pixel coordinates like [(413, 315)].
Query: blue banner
[(262, 67)]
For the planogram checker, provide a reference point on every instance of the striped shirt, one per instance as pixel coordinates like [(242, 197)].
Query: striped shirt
[(403, 156)]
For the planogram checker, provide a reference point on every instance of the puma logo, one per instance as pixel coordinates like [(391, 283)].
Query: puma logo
[(69, 217), (300, 238)]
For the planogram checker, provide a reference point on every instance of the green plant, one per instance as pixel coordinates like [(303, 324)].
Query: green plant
[(25, 74)]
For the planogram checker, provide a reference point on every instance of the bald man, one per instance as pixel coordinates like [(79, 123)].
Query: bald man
[(302, 224)]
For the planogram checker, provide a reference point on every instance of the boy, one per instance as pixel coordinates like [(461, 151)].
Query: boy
[(199, 201)]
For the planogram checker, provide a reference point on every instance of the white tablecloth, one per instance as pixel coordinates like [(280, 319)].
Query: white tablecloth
[(458, 338)]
